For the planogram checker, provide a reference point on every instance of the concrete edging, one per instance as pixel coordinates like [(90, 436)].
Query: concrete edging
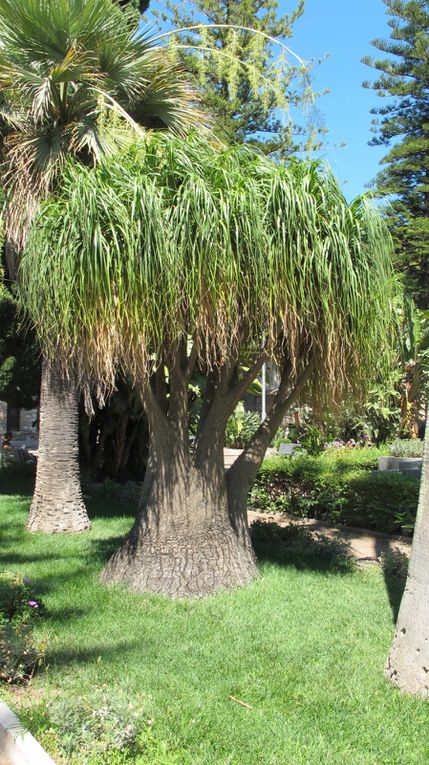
[(17, 745)]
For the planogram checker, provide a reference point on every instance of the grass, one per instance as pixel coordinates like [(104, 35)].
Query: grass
[(304, 648)]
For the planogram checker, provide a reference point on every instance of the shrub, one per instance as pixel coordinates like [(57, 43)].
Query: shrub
[(395, 564), (101, 730), (240, 427), (341, 486), (406, 447), (19, 608)]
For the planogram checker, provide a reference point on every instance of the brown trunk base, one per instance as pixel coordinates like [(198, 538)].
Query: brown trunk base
[(183, 544), (57, 504), (407, 665)]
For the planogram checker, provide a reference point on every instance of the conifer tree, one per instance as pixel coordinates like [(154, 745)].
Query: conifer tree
[(402, 125), (259, 101)]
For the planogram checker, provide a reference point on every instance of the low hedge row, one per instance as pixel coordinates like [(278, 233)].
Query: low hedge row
[(340, 486)]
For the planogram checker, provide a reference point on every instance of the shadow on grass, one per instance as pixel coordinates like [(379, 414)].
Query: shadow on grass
[(68, 657), (18, 481), (394, 565), (300, 547)]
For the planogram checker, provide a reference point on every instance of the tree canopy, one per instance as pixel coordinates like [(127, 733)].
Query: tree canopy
[(403, 125), (254, 87), (64, 68), (177, 239)]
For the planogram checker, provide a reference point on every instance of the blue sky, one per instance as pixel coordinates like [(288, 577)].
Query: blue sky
[(344, 29)]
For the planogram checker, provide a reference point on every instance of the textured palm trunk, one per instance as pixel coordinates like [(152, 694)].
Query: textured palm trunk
[(408, 662), (57, 504)]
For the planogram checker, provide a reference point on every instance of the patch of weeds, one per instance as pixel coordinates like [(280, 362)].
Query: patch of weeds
[(300, 546), (20, 656), (102, 730)]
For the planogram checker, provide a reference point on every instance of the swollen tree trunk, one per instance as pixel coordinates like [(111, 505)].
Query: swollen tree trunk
[(408, 662), (57, 504), (183, 543)]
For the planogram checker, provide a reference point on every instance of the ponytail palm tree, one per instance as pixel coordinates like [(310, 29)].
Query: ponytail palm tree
[(177, 255), (73, 73)]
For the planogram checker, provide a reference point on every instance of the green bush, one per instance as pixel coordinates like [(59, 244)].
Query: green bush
[(340, 486), (19, 654), (240, 427), (406, 447)]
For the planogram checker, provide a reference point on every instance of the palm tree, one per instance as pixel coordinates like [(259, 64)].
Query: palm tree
[(72, 73), (195, 257)]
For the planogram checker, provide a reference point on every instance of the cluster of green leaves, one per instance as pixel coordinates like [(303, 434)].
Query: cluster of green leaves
[(245, 84), (240, 427), (179, 239), (19, 654), (64, 68), (406, 447), (403, 125), (339, 486)]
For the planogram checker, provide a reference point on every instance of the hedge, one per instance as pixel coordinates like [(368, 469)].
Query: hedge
[(341, 486)]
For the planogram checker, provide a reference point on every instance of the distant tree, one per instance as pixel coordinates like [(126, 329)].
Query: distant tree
[(246, 100), (403, 125), (140, 5)]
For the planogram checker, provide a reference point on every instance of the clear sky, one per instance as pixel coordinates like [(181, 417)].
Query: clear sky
[(344, 29)]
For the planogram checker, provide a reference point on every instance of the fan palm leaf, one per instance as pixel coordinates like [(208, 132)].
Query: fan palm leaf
[(63, 63)]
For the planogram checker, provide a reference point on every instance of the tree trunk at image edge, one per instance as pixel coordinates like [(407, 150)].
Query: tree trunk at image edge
[(57, 504), (408, 662)]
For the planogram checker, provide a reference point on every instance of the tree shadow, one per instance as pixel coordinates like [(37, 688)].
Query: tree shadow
[(300, 547), (68, 657), (394, 565)]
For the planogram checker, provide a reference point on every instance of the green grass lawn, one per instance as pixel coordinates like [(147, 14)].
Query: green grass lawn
[(304, 648)]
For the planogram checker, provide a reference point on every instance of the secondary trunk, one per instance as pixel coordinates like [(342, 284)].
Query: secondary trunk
[(182, 543), (408, 662), (57, 504)]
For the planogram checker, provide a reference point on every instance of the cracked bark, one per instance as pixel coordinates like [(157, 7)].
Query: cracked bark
[(183, 543), (407, 665), (57, 504)]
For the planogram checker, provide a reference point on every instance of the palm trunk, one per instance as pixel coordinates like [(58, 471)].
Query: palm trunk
[(57, 504), (408, 662)]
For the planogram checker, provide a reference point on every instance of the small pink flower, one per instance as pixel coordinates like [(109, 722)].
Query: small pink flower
[(33, 604)]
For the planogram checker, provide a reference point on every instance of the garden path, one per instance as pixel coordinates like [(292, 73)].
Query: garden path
[(365, 545)]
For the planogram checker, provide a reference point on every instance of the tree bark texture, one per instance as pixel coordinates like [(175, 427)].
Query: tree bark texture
[(407, 665), (57, 504), (191, 534)]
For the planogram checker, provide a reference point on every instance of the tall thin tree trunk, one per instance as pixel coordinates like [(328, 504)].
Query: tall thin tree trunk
[(57, 504), (408, 662)]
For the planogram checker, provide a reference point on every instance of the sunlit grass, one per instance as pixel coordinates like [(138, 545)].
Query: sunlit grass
[(303, 648)]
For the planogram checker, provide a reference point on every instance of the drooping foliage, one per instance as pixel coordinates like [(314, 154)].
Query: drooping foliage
[(179, 240), (403, 126)]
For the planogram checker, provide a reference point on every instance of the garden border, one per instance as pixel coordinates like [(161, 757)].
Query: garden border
[(17, 745)]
